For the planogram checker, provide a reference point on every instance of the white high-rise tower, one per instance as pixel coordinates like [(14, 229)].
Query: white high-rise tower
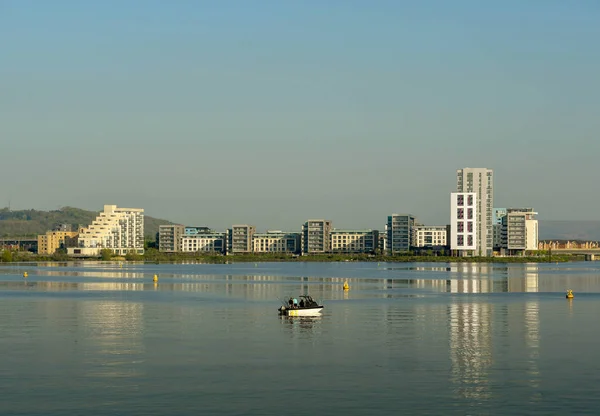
[(481, 182)]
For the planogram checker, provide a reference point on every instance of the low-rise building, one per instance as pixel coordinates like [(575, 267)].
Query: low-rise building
[(276, 242), (207, 241), (430, 235), (239, 239), (169, 238), (316, 236), (52, 241), (519, 231), (399, 230), (354, 241)]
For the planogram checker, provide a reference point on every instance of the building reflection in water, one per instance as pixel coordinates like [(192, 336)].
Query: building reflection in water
[(114, 332), (532, 344), (470, 336)]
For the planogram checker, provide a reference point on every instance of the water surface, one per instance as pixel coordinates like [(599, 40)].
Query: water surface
[(103, 339)]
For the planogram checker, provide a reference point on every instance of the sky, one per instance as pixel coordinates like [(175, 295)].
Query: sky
[(212, 113)]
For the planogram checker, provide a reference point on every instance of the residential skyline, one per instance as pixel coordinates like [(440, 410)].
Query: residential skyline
[(270, 113)]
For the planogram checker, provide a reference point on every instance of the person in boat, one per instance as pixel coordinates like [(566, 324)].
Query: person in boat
[(291, 302), (295, 303), (302, 303)]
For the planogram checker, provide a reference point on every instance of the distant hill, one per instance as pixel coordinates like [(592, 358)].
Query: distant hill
[(569, 230), (29, 223)]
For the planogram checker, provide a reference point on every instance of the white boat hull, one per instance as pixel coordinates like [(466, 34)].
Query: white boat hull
[(301, 311)]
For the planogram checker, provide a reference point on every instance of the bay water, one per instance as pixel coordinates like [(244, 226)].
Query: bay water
[(99, 338)]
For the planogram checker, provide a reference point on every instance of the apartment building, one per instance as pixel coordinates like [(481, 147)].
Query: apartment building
[(399, 229), (497, 215), (354, 241), (118, 229), (463, 223), (276, 242), (481, 182), (430, 236), (207, 241), (316, 236), (239, 238), (519, 231), (56, 239), (169, 238)]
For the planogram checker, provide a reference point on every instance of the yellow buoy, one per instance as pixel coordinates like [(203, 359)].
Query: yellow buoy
[(570, 294), (155, 278), (25, 274), (346, 286)]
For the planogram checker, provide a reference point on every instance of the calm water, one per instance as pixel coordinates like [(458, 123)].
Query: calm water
[(102, 339)]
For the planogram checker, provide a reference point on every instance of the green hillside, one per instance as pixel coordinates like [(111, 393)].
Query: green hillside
[(29, 223)]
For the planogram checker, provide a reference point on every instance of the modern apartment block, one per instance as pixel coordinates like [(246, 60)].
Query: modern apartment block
[(206, 241), (463, 223), (239, 238), (497, 215), (169, 238), (519, 231), (316, 237), (118, 229), (481, 182), (276, 242), (54, 240), (430, 236), (399, 229), (354, 241)]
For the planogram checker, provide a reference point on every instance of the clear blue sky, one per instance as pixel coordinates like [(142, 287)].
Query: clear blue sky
[(273, 112)]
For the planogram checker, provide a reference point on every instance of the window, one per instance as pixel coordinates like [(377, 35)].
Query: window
[(470, 213), (460, 200), (470, 200), (460, 227), (470, 240), (460, 213), (470, 226), (460, 240)]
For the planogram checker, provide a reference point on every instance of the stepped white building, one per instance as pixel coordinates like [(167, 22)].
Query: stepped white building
[(118, 229)]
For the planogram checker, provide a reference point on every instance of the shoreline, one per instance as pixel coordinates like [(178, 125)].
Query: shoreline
[(167, 258)]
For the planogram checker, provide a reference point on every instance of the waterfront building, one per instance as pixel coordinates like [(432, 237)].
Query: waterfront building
[(430, 235), (276, 242), (399, 229), (54, 240), (169, 238), (382, 242), (197, 230), (354, 241), (316, 237), (463, 223), (119, 229), (519, 231), (481, 182), (207, 241), (498, 213), (239, 238)]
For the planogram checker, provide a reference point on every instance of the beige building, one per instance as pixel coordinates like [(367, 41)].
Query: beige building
[(119, 229), (206, 242), (519, 231), (430, 235), (354, 241), (53, 240), (169, 238), (239, 238), (316, 236), (481, 182), (276, 242)]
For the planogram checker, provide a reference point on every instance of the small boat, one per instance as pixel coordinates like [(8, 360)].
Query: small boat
[(306, 307)]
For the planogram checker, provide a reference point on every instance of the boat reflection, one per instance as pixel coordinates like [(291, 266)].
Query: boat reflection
[(301, 326)]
